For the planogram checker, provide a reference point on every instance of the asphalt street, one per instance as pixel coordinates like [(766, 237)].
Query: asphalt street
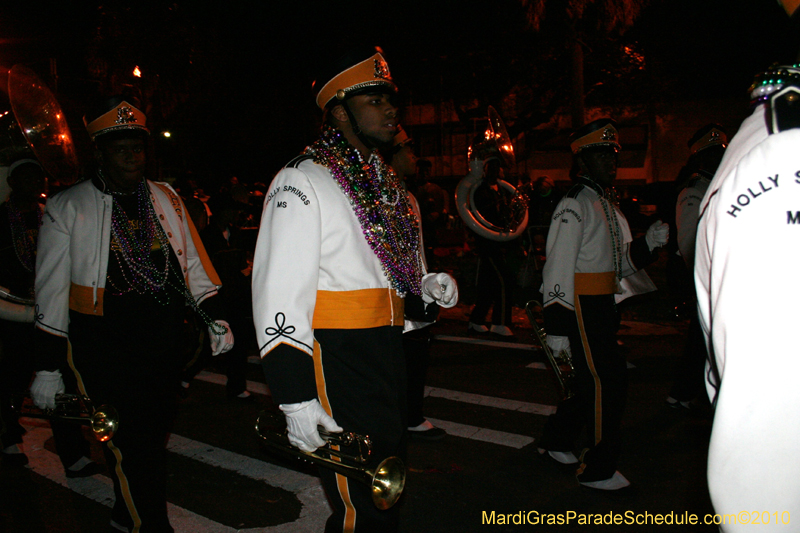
[(492, 396)]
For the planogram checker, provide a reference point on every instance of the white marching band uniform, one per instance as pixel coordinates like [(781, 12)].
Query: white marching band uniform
[(581, 278), (746, 274), (329, 325)]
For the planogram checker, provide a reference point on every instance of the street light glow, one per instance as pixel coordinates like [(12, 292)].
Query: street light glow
[(137, 72)]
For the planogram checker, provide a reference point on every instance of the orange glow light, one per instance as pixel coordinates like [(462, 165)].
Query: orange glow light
[(137, 72)]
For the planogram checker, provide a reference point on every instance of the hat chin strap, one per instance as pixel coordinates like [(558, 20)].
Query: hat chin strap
[(369, 143)]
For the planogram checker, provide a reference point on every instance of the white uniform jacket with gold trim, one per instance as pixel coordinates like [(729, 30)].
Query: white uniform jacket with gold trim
[(73, 252), (747, 282), (580, 254), (313, 267), (687, 211)]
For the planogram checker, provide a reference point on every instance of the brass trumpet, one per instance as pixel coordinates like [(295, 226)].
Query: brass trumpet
[(387, 480), (103, 420), (561, 363)]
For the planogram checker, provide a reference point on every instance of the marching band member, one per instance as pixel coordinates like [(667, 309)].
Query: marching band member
[(589, 250), (418, 316), (337, 250), (707, 146), (750, 223), (118, 260)]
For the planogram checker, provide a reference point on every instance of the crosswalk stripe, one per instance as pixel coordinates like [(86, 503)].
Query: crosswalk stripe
[(218, 379), (485, 342), (482, 434), (308, 489), (491, 401)]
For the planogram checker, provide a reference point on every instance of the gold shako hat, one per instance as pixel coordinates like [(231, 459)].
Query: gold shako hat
[(352, 76), (600, 132), (122, 115), (706, 137)]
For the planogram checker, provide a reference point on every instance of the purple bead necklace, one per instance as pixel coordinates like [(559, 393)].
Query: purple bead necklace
[(381, 205)]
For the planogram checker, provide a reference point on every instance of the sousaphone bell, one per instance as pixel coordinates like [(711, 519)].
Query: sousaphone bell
[(35, 127)]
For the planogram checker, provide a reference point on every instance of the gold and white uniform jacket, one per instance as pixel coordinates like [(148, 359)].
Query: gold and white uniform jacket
[(746, 276), (580, 254), (313, 268), (73, 252)]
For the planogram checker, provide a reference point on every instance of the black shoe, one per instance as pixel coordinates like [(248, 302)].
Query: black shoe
[(433, 433), (89, 469), (15, 459)]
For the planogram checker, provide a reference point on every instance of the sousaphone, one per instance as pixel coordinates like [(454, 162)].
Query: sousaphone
[(35, 127), (495, 143)]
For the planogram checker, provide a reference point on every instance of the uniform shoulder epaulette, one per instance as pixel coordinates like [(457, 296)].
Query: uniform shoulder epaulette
[(575, 190), (784, 110), (294, 163)]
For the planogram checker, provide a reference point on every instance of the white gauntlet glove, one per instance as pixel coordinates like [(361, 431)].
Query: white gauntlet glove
[(46, 385), (657, 235), (220, 343), (558, 344), (302, 420), (440, 288)]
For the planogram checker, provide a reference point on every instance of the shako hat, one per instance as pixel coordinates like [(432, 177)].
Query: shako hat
[(706, 137), (352, 74), (115, 114), (600, 132), (401, 138)]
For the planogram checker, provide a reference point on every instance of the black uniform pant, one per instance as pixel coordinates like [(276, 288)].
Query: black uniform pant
[(361, 383), (416, 345), (16, 370), (235, 360), (138, 375), (494, 285), (600, 391), (689, 380)]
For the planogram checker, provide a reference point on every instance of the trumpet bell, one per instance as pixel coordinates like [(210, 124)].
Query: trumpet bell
[(561, 363), (104, 422), (386, 481)]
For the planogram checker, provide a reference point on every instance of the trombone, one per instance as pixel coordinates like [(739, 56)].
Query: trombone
[(561, 363), (103, 420), (387, 480)]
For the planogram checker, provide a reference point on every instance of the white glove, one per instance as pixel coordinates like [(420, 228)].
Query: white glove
[(558, 344), (302, 420), (221, 343), (657, 235), (46, 385), (440, 288)]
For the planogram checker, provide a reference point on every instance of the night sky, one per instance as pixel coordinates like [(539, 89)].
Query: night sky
[(234, 77)]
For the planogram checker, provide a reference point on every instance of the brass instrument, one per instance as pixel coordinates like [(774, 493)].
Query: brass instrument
[(36, 127), (387, 480), (494, 143), (561, 363), (103, 420)]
